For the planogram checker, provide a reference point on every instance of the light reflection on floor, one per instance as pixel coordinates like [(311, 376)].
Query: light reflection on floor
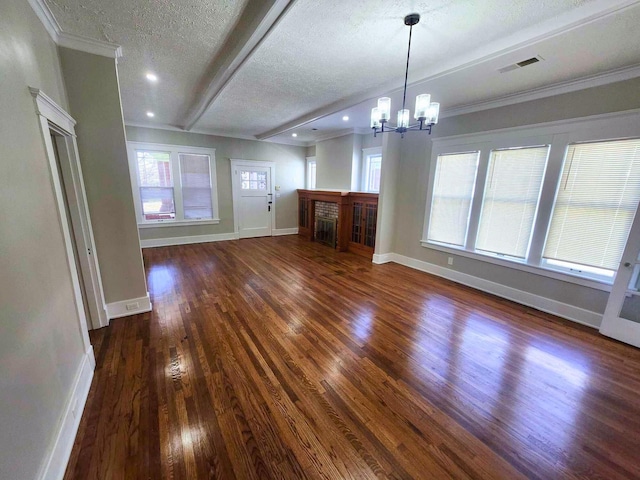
[(162, 279)]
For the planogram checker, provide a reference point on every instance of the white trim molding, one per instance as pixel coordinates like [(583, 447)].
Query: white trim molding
[(278, 232), (606, 78), (53, 112), (89, 45), (548, 305), (69, 40), (168, 241), (58, 457), (132, 306)]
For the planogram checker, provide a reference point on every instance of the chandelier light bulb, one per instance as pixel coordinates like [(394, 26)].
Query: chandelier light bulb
[(433, 113), (375, 117), (384, 107), (403, 118), (422, 105)]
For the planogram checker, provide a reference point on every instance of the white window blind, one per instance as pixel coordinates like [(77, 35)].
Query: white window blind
[(452, 194), (597, 198), (512, 189), (156, 184), (196, 186)]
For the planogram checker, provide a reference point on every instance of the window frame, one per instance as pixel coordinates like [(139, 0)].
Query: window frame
[(558, 135), (367, 153), (175, 151), (311, 160)]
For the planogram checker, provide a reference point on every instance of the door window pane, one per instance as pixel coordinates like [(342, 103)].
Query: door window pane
[(253, 180)]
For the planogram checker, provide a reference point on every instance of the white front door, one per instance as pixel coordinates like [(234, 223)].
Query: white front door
[(622, 316), (254, 199)]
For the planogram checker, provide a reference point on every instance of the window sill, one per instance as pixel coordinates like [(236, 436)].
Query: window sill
[(178, 223), (537, 270)]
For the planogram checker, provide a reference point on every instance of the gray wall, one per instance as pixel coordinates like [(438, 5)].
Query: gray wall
[(415, 157), (290, 170), (94, 99), (41, 345), (333, 163)]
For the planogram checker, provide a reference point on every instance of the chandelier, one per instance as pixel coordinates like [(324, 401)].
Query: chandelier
[(426, 111)]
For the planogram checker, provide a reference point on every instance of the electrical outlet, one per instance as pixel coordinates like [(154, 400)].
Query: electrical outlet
[(450, 261), (133, 306)]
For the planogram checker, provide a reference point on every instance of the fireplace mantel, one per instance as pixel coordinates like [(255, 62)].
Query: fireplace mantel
[(348, 203)]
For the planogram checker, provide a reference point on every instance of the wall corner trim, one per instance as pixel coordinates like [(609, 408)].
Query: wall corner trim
[(69, 40), (136, 306), (278, 232), (58, 458), (168, 241), (548, 305)]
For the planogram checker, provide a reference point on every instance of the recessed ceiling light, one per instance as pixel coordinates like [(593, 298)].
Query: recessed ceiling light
[(151, 77), (294, 134), (345, 118), (151, 114)]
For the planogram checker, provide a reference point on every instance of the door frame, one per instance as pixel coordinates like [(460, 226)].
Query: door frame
[(235, 189), (612, 324), (54, 118)]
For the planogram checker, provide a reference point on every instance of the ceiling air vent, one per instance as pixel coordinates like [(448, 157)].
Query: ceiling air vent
[(523, 63)]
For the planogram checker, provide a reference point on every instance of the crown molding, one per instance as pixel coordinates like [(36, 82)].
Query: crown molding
[(597, 10), (598, 80), (89, 45), (213, 133), (69, 40), (47, 19)]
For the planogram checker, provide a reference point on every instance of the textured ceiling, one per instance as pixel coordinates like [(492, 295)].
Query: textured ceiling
[(337, 53), (176, 39)]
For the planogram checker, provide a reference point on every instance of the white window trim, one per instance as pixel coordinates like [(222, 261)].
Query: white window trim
[(307, 176), (175, 150), (556, 134), (367, 153)]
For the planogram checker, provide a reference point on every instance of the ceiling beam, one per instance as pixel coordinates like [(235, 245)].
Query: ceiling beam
[(257, 20)]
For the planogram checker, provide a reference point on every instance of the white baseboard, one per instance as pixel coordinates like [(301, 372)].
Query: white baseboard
[(165, 242), (56, 463), (136, 305), (380, 258), (564, 310), (277, 232)]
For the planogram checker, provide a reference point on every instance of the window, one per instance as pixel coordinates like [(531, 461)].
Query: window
[(253, 180), (452, 193), (596, 201), (156, 185), (311, 172), (548, 199), (173, 185), (372, 169), (510, 200), (196, 186)]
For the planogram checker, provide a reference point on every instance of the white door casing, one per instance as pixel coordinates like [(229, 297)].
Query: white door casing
[(253, 199), (53, 117), (619, 322)]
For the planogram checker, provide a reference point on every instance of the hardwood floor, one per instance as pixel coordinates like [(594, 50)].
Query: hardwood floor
[(280, 358)]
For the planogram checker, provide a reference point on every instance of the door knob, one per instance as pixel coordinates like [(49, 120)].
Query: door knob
[(627, 264)]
